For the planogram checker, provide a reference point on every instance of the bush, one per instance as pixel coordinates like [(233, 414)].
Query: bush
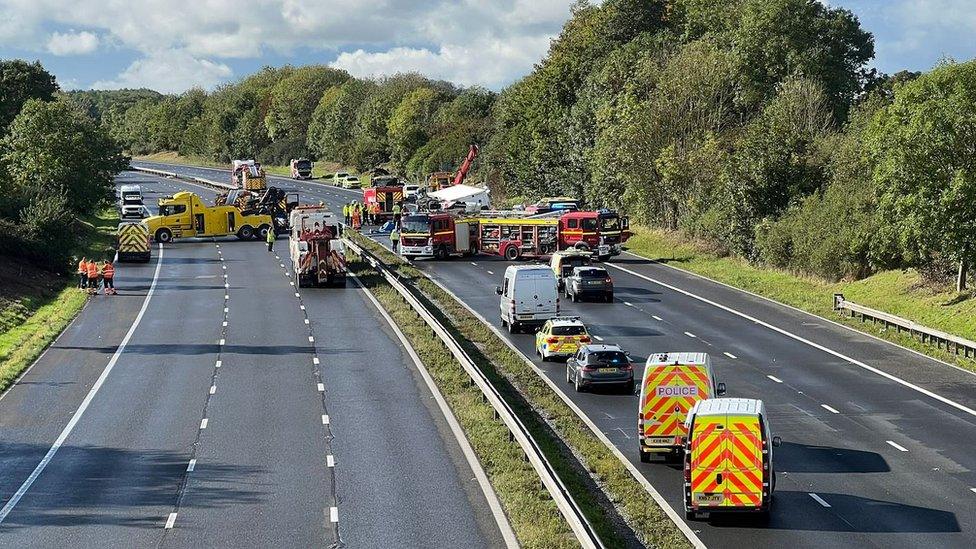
[(282, 151)]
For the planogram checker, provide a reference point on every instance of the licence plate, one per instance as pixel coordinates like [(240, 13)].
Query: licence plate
[(604, 249), (594, 283), (709, 499), (660, 441), (608, 370)]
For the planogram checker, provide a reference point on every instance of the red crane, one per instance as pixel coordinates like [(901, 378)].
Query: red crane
[(466, 165)]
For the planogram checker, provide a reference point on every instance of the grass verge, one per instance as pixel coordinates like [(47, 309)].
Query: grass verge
[(901, 293), (620, 490), (32, 320)]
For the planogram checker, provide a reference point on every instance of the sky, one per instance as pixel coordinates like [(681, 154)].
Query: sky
[(173, 45)]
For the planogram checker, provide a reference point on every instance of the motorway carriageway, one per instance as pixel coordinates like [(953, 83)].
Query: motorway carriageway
[(877, 440), (240, 412)]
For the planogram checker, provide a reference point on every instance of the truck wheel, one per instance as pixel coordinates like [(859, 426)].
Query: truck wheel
[(263, 232), (441, 253), (511, 253), (245, 233), (164, 235)]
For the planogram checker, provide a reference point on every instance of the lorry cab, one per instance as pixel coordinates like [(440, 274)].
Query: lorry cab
[(438, 235), (185, 215), (600, 232), (528, 296), (671, 385), (301, 168), (728, 457)]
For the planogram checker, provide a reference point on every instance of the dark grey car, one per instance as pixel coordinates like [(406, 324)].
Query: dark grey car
[(589, 282), (596, 365)]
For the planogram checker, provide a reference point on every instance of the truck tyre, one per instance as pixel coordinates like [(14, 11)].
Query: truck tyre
[(164, 235), (245, 233), (512, 253), (441, 253), (263, 232)]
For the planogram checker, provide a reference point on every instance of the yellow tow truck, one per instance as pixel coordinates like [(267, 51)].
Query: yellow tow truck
[(185, 215)]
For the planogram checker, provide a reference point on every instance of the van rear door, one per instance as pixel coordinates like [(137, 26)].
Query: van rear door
[(669, 392), (707, 462), (743, 465)]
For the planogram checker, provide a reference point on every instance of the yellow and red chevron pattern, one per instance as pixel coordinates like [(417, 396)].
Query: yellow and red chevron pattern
[(726, 462), (669, 392)]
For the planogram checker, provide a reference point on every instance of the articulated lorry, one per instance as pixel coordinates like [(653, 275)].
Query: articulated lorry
[(185, 215), (248, 175), (317, 253)]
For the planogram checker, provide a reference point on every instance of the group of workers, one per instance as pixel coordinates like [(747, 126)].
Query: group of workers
[(90, 274), (356, 214)]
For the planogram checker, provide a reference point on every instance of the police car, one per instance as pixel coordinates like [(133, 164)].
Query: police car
[(560, 336)]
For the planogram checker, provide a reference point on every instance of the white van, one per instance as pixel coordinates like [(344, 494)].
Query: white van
[(528, 296)]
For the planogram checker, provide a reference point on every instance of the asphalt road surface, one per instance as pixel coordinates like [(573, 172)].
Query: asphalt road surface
[(878, 441), (237, 414)]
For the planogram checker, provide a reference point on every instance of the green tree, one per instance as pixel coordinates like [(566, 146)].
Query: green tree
[(410, 124), (926, 166), (21, 81), (55, 148), (331, 131), (294, 98)]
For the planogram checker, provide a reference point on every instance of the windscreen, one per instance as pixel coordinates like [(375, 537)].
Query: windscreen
[(303, 164), (568, 330), (593, 273), (611, 223), (415, 224), (608, 357)]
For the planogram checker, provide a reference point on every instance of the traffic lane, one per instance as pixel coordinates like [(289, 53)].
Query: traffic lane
[(115, 479), (615, 414), (950, 382), (264, 420), (34, 410), (401, 476)]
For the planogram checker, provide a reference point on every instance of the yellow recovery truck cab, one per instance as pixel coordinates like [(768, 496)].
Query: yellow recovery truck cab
[(728, 458), (185, 215)]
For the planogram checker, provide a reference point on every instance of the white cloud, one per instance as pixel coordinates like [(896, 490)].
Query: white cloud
[(72, 43), (169, 71), (434, 34)]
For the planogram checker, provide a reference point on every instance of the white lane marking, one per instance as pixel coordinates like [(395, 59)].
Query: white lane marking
[(897, 446), (689, 334), (218, 245), (226, 297), (222, 342), (829, 409), (226, 285), (622, 432), (291, 282), (213, 389), (217, 365), (973, 490), (629, 304), (819, 499), (191, 466), (491, 273), (225, 324), (15, 499), (302, 307), (170, 521), (224, 267), (330, 460), (321, 387), (315, 360), (325, 419), (598, 338), (473, 263), (334, 514), (311, 339), (203, 423), (655, 317), (306, 321), (282, 265), (776, 379), (730, 355), (297, 294), (793, 336)]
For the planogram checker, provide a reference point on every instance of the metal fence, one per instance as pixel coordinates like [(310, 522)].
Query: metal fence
[(942, 340)]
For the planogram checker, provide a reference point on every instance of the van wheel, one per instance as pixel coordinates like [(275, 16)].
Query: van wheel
[(511, 253), (576, 384), (164, 235), (691, 515), (645, 457), (245, 233)]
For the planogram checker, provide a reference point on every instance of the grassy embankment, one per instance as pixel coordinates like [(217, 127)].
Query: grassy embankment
[(901, 293), (36, 305), (536, 402)]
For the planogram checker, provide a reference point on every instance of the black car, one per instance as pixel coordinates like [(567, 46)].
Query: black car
[(594, 365), (589, 282)]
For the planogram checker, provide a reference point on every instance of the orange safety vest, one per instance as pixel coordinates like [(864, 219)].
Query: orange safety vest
[(92, 269), (82, 267), (108, 271)]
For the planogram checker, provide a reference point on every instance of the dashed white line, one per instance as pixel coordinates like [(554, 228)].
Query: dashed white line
[(473, 263), (655, 317), (491, 273), (776, 379), (213, 389), (302, 307), (311, 339), (315, 360), (629, 304), (330, 460), (291, 282), (204, 422), (225, 324), (217, 365), (306, 321), (730, 355), (226, 285), (819, 499), (689, 334), (325, 419), (321, 387), (282, 265), (973, 490), (829, 409), (192, 465), (334, 514), (298, 294), (226, 297), (221, 342), (170, 521), (897, 446), (598, 338), (226, 310)]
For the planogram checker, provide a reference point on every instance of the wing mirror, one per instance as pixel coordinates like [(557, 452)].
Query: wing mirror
[(720, 391), (777, 441), (498, 290)]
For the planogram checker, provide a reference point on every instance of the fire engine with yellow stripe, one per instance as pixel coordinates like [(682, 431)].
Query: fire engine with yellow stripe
[(728, 463), (671, 385), (513, 234), (385, 191)]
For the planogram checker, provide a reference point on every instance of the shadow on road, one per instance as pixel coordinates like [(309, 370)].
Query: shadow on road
[(808, 458)]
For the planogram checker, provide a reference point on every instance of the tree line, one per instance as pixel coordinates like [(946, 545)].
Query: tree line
[(56, 165), (753, 124)]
